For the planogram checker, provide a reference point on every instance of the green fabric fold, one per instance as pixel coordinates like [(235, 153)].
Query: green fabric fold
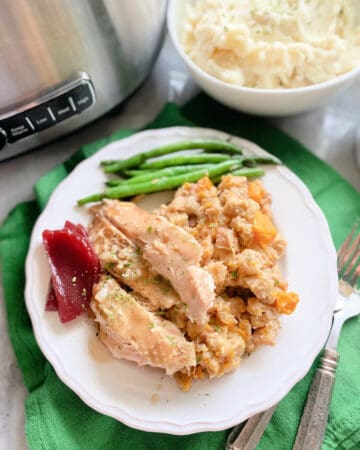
[(57, 419)]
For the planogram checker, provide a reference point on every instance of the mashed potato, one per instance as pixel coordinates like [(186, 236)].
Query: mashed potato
[(273, 43)]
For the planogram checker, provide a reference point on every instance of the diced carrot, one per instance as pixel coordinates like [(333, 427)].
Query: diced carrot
[(204, 187), (205, 183), (286, 302), (199, 373), (183, 380), (263, 229), (244, 329), (256, 190)]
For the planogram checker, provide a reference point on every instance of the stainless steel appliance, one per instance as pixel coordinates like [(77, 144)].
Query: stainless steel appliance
[(63, 63)]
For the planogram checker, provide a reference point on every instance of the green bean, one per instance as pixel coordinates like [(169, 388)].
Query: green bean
[(192, 144), (249, 161), (126, 175), (230, 149), (252, 161), (108, 162), (185, 159), (150, 174), (154, 175), (135, 172), (114, 182), (179, 169), (163, 184), (248, 172)]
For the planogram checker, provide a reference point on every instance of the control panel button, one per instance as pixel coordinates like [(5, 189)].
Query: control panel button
[(61, 108), (75, 100), (40, 117), (3, 139), (17, 127), (82, 97)]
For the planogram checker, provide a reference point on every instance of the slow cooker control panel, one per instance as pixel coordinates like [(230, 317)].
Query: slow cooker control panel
[(3, 139), (63, 103)]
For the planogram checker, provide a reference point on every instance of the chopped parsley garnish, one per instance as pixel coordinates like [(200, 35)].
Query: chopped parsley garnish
[(234, 274), (149, 229), (172, 340), (151, 325)]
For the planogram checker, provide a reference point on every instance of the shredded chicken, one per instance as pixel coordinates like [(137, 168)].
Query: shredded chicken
[(123, 259), (170, 251), (213, 252), (132, 332)]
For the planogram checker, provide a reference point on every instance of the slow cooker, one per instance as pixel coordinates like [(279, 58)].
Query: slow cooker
[(64, 63)]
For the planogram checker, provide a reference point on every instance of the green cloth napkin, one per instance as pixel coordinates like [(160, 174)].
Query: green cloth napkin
[(57, 419)]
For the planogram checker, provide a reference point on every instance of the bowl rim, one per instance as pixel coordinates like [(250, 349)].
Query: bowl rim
[(332, 83)]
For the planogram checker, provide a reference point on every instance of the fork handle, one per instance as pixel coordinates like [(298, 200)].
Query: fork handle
[(314, 419), (246, 436)]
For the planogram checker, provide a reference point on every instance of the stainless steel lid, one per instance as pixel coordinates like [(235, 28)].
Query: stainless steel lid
[(47, 49)]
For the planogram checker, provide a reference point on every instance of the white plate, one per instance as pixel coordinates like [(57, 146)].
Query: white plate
[(122, 390)]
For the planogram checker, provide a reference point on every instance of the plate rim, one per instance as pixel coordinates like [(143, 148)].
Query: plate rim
[(166, 426)]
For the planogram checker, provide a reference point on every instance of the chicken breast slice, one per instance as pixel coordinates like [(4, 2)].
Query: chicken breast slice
[(132, 332), (171, 251), (122, 258)]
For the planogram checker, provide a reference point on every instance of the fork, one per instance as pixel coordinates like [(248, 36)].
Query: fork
[(314, 419)]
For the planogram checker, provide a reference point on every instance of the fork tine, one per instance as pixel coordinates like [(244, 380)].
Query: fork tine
[(343, 251), (354, 279), (352, 256)]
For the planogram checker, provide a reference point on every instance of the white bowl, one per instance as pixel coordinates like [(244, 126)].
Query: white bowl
[(266, 102)]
